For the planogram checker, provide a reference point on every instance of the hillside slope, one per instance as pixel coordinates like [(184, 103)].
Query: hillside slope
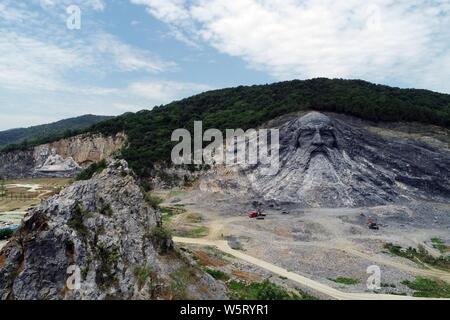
[(56, 129)]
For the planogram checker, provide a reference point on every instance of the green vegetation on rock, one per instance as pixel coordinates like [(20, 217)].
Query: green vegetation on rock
[(94, 168)]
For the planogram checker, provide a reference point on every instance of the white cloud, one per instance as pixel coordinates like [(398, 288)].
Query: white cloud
[(165, 91), (403, 41), (29, 63), (128, 58), (37, 51), (48, 72)]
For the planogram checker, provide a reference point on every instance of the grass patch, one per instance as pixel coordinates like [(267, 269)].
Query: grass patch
[(94, 168), (194, 218), (419, 255), (428, 288), (152, 200), (193, 233), (176, 193), (346, 281), (440, 245), (142, 274), (265, 290), (217, 274), (184, 276), (169, 212)]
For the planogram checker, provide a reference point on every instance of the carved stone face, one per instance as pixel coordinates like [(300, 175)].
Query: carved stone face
[(316, 134)]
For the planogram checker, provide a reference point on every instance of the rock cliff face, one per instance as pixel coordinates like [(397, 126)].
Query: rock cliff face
[(63, 158), (99, 239), (326, 161)]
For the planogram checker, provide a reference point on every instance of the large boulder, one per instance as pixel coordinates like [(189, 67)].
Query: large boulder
[(99, 239)]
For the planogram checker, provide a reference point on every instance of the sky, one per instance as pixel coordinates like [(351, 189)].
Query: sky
[(64, 58)]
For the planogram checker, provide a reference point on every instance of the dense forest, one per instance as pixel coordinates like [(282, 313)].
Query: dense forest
[(149, 131), (49, 132)]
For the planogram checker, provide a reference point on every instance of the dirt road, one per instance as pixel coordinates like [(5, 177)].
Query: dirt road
[(324, 289)]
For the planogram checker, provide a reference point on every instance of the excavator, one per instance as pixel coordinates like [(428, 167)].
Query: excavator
[(258, 214), (372, 224)]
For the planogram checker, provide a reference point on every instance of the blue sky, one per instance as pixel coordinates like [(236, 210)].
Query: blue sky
[(134, 54)]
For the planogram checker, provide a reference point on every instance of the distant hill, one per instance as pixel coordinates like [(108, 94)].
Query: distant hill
[(64, 127)]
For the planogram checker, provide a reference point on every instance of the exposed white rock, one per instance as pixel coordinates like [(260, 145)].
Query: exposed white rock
[(329, 162), (55, 164)]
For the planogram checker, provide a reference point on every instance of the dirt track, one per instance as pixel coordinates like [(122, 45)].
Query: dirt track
[(324, 289)]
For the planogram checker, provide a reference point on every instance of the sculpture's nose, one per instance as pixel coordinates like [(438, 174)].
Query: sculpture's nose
[(317, 140)]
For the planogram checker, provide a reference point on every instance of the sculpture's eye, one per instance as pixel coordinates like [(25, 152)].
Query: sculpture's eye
[(327, 133), (307, 133)]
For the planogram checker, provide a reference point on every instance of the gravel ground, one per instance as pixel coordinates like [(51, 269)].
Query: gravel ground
[(314, 242)]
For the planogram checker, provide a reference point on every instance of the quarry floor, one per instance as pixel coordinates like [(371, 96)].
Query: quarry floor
[(319, 244), (23, 194)]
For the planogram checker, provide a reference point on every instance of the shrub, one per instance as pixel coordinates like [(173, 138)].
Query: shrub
[(440, 245), (76, 221), (6, 234), (217, 274), (152, 200), (106, 210), (161, 239), (94, 168), (428, 288)]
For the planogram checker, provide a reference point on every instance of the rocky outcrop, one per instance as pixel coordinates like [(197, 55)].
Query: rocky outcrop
[(326, 161), (62, 158), (99, 239)]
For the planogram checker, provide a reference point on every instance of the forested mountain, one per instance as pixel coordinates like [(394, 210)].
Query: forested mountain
[(58, 129), (149, 131)]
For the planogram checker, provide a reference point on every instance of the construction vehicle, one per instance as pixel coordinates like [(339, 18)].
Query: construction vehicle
[(372, 224), (256, 214)]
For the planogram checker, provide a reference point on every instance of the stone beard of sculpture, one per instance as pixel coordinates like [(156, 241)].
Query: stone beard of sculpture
[(314, 136)]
